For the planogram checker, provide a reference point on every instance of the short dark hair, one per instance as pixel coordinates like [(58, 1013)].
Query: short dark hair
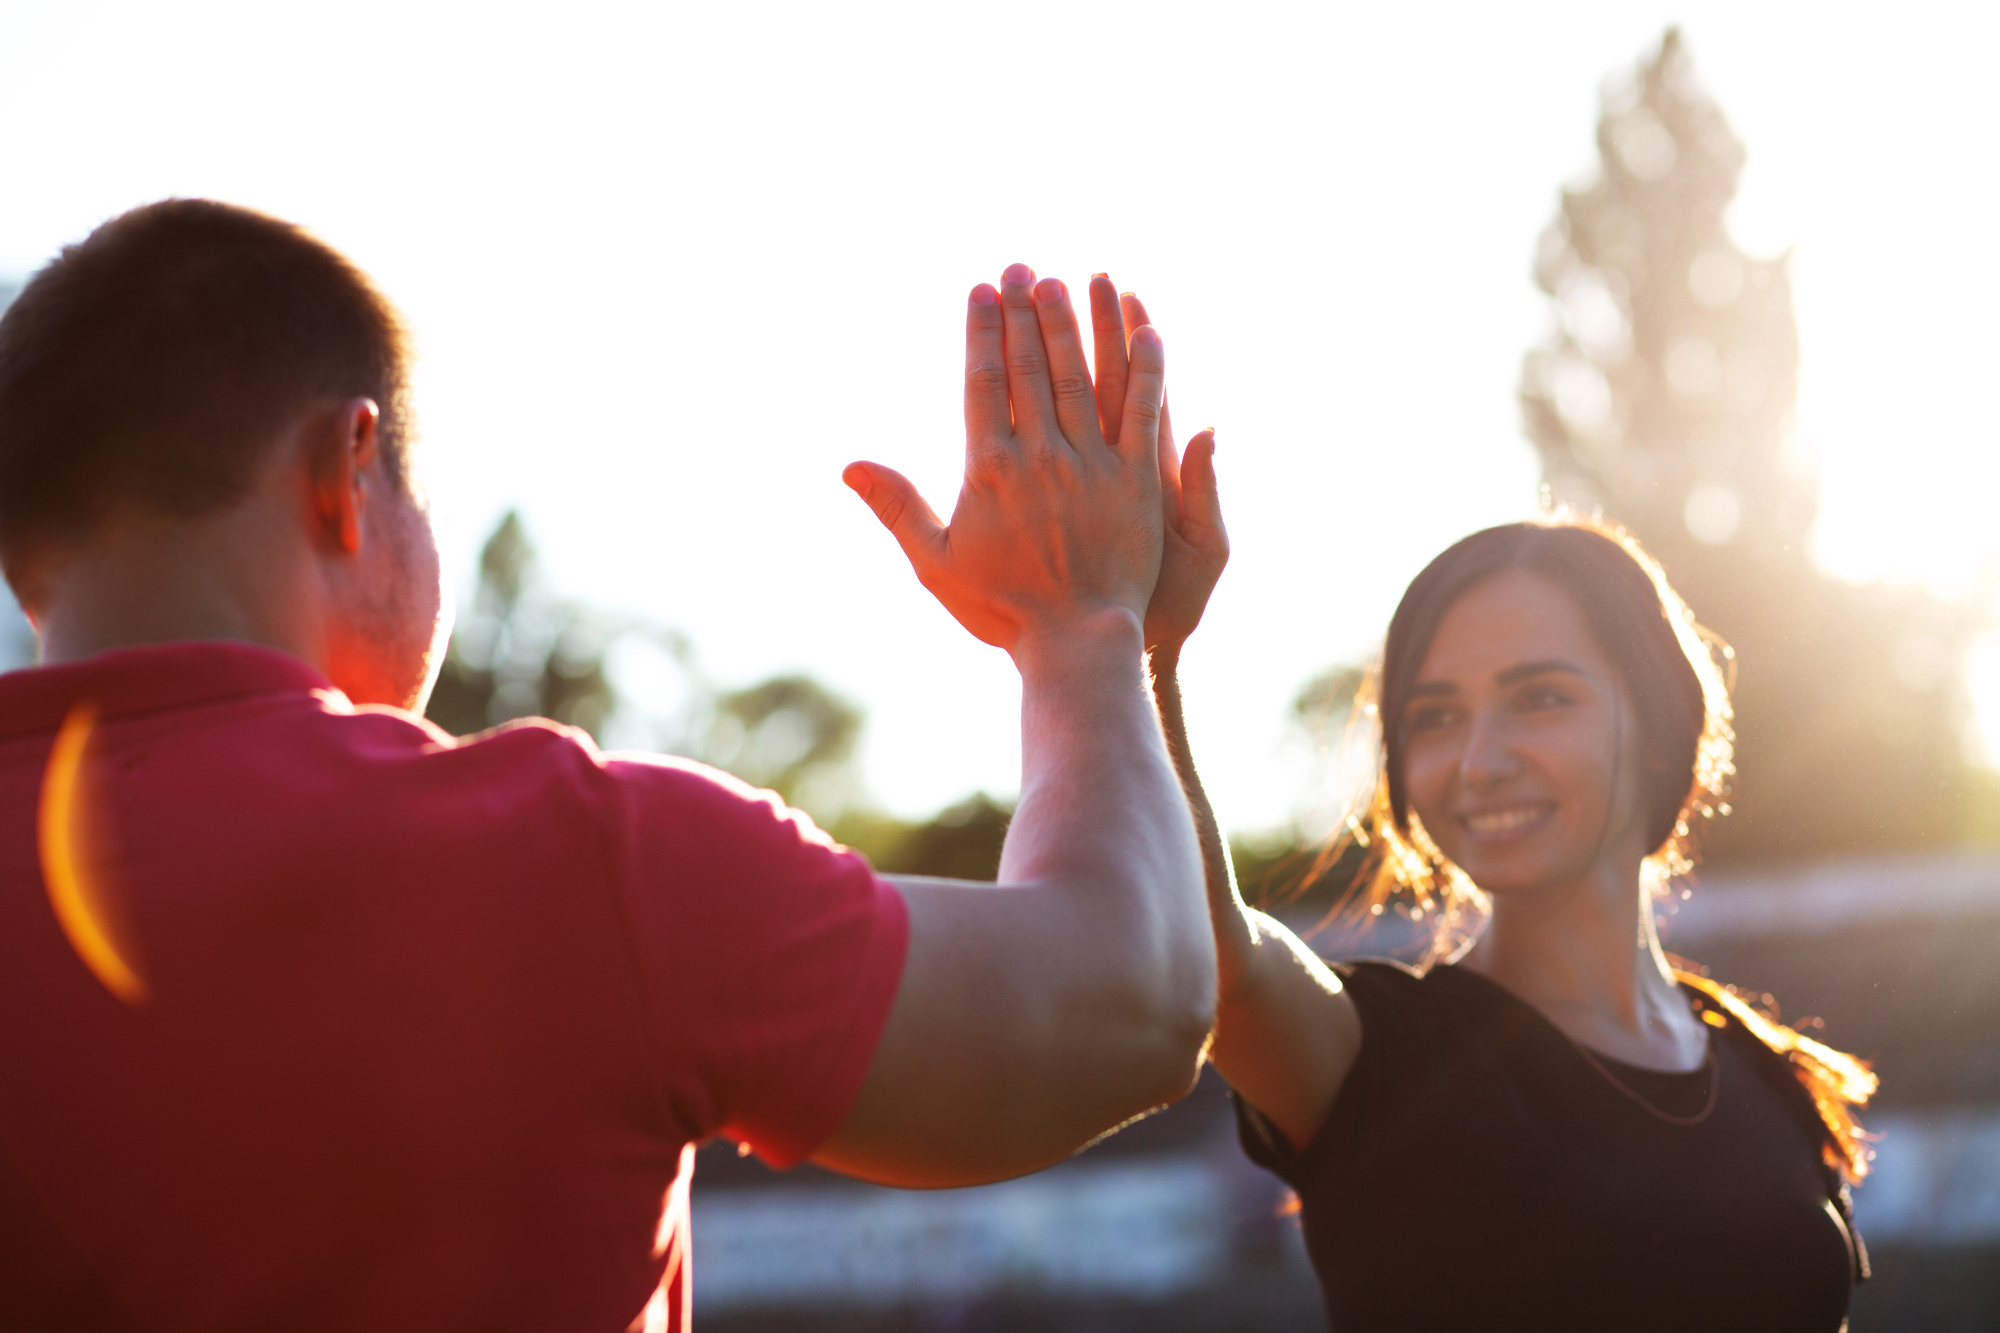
[(155, 362)]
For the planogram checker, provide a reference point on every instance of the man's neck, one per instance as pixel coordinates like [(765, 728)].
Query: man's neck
[(144, 579)]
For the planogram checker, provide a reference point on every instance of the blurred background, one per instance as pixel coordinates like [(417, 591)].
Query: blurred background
[(1725, 272)]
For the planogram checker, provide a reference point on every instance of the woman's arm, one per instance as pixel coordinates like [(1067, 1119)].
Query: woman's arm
[(1285, 1032)]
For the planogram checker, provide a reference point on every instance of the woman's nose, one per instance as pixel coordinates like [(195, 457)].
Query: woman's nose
[(1489, 759)]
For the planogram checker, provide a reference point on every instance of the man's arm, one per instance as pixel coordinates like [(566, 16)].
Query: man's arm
[(1035, 1015)]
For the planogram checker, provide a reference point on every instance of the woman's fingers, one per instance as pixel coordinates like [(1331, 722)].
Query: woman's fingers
[(1169, 460), (1108, 326), (1069, 373), (1133, 309), (988, 423), (1201, 502), (1027, 357), (1145, 389)]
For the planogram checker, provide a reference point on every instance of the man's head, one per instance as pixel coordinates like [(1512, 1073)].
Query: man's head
[(188, 362)]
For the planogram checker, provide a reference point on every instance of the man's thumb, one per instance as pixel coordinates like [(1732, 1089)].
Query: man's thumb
[(900, 508)]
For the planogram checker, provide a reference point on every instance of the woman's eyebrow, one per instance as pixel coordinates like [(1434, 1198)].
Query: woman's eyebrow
[(1431, 688), (1527, 669)]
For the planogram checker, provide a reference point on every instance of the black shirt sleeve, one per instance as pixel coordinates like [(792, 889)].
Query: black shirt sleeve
[(1401, 1024)]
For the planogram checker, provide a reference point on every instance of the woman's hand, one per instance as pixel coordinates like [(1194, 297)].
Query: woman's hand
[(1194, 545)]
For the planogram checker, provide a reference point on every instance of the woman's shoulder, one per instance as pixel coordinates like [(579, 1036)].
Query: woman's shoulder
[(1442, 993), (1420, 1031), (1378, 971)]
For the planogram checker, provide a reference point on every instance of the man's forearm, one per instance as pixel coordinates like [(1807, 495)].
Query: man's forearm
[(1103, 815)]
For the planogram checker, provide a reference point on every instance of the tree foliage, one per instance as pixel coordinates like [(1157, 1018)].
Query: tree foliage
[(790, 734), (519, 651), (962, 841), (1665, 396)]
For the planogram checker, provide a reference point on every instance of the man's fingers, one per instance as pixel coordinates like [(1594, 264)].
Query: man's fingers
[(1145, 390), (1027, 358), (1069, 373), (986, 418), (1108, 326), (902, 510)]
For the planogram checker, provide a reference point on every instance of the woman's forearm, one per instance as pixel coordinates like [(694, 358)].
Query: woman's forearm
[(1285, 1032), (1235, 939)]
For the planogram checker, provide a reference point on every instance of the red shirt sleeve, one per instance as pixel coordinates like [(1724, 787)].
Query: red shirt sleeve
[(769, 954)]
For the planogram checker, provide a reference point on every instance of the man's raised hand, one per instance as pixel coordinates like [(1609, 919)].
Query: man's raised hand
[(1036, 1015), (1054, 524)]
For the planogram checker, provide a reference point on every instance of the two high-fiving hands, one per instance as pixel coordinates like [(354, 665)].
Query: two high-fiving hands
[(1075, 501), (1080, 990), (1030, 1021)]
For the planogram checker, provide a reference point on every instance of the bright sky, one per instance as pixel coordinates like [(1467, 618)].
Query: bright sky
[(672, 266)]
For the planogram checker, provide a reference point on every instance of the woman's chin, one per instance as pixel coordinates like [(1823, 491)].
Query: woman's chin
[(1505, 875)]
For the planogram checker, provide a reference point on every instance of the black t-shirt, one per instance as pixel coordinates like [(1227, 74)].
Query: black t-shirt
[(1476, 1172)]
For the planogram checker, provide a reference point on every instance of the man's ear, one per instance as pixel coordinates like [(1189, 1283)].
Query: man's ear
[(345, 446)]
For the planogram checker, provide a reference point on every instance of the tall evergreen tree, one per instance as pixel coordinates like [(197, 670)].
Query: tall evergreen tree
[(1667, 393), (1665, 397)]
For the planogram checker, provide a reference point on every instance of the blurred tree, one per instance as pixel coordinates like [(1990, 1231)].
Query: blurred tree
[(792, 735), (520, 652), (1301, 871), (1666, 392), (1665, 397), (962, 841), (1323, 704)]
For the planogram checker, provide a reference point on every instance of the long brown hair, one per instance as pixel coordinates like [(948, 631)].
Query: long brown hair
[(1675, 674)]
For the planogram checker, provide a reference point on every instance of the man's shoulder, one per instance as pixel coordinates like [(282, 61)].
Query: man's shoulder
[(539, 744), (540, 756)]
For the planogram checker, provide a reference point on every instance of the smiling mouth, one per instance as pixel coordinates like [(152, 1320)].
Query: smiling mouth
[(1515, 821)]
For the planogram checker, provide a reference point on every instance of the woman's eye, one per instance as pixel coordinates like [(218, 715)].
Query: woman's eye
[(1430, 719), (1543, 696)]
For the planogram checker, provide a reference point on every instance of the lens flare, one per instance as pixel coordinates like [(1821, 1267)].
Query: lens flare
[(78, 890)]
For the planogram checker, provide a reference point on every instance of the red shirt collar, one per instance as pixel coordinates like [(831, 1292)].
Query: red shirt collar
[(146, 680)]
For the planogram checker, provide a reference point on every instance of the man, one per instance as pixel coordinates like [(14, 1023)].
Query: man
[(312, 1017)]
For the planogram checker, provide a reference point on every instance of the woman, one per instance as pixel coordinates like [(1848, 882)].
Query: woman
[(1544, 1125)]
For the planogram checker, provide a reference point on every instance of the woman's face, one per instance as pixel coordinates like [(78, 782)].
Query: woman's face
[(1522, 759)]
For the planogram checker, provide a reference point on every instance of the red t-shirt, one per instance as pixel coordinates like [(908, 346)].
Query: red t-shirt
[(430, 1026)]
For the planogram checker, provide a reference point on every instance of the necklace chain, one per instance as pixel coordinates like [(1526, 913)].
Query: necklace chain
[(1708, 1063)]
